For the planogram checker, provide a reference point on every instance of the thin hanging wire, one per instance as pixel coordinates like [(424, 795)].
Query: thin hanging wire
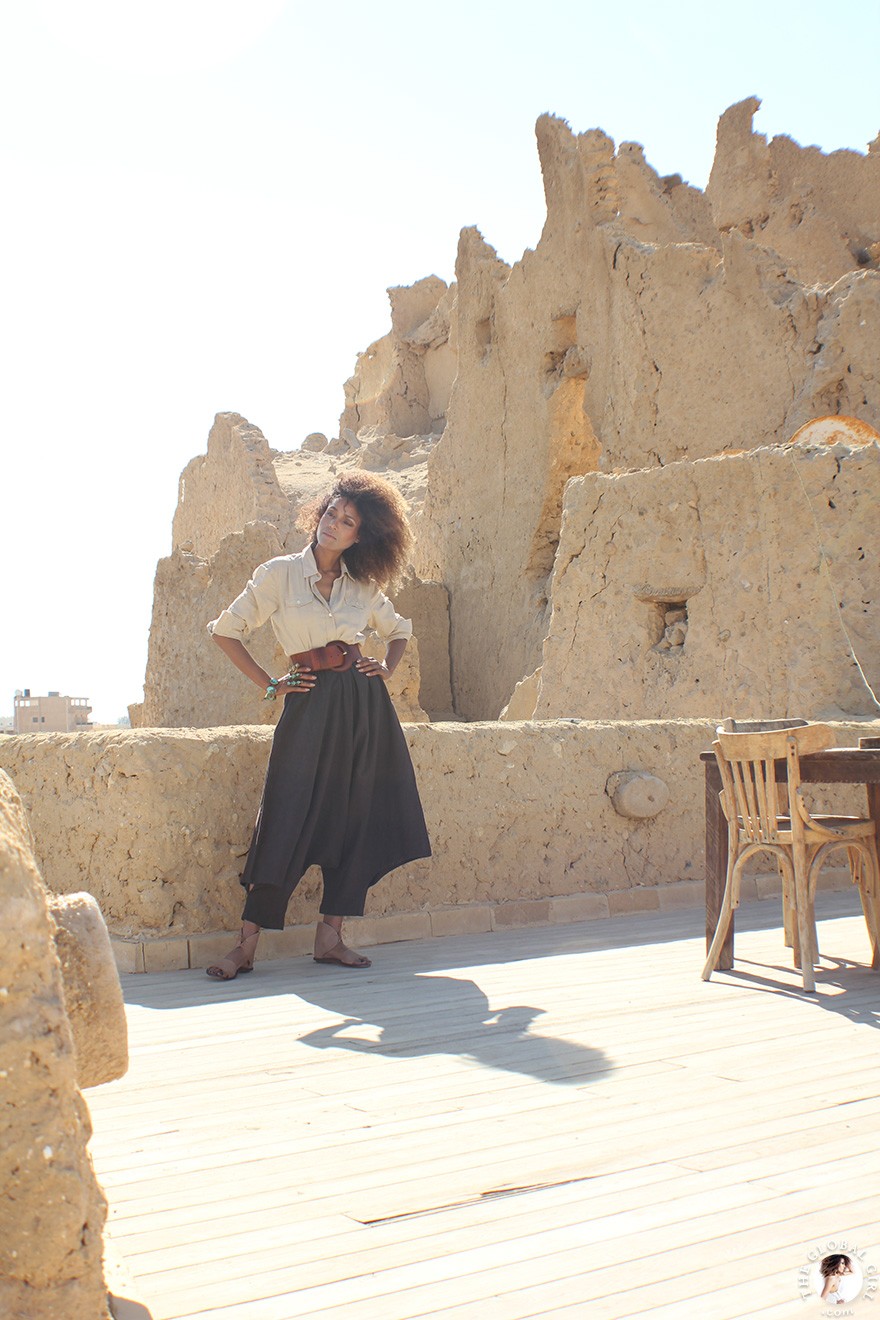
[(825, 563)]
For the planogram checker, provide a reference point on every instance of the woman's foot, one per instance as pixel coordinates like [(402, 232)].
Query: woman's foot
[(329, 948), (239, 959)]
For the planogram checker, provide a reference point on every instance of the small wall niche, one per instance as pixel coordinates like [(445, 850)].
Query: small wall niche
[(670, 622), (673, 616)]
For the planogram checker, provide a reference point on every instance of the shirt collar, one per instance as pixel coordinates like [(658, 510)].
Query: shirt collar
[(310, 568)]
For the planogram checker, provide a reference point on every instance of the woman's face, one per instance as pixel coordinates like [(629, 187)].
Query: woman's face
[(338, 528)]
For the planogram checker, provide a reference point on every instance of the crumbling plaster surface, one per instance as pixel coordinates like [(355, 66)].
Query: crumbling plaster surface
[(636, 334), (776, 568), (52, 1210), (156, 824), (820, 212)]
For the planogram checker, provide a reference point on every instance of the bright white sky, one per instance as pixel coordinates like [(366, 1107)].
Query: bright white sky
[(205, 201)]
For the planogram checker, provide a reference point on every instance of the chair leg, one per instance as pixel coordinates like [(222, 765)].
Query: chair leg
[(728, 903), (866, 873), (806, 939), (871, 909), (812, 879), (789, 919)]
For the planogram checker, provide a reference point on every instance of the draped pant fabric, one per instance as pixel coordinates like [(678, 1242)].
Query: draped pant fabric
[(340, 793)]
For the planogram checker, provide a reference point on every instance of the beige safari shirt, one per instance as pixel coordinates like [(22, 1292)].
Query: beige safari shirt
[(284, 591)]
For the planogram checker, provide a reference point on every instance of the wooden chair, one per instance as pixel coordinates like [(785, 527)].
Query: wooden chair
[(766, 816), (771, 726)]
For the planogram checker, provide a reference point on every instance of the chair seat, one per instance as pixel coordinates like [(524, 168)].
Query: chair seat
[(847, 827), (855, 827)]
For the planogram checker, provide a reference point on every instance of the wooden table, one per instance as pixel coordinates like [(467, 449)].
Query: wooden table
[(837, 765)]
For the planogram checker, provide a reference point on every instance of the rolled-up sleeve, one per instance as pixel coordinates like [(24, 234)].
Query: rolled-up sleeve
[(385, 620), (257, 603)]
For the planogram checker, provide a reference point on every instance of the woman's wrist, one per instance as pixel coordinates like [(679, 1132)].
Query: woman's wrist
[(394, 654)]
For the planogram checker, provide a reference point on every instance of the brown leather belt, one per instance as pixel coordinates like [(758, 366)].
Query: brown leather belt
[(335, 655)]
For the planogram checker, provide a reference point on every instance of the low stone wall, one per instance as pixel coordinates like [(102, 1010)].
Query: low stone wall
[(156, 824)]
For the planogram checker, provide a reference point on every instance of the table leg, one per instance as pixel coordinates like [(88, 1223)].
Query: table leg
[(716, 864)]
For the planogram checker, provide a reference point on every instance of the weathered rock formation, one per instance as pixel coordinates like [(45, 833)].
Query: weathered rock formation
[(653, 325), (52, 1210), (402, 383), (646, 329), (237, 506), (820, 213)]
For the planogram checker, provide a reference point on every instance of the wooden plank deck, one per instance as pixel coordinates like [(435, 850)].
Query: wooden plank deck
[(559, 1121)]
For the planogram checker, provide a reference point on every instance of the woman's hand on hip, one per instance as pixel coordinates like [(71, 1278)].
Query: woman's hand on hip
[(373, 668), (304, 682)]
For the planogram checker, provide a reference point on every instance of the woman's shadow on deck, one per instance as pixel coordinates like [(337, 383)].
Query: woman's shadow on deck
[(430, 1015)]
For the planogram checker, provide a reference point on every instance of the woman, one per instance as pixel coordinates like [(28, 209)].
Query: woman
[(340, 791), (833, 1271)]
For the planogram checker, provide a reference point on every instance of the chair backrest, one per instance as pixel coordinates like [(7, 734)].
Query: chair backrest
[(747, 761), (760, 726)]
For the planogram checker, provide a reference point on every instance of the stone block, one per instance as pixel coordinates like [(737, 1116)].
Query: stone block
[(387, 930), (92, 993), (470, 919), (533, 913), (166, 955), (579, 907), (834, 878), (292, 942), (766, 886), (129, 956), (681, 894), (621, 901), (207, 949)]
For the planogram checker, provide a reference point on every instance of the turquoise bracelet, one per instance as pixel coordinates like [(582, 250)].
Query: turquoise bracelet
[(272, 688)]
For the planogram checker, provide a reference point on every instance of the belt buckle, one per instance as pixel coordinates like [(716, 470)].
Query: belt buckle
[(344, 649)]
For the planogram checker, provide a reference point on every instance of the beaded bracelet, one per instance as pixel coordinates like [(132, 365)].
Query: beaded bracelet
[(272, 688)]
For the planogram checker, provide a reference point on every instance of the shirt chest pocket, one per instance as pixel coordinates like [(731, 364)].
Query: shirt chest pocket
[(305, 600)]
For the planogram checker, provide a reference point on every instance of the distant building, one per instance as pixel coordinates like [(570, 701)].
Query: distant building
[(50, 714)]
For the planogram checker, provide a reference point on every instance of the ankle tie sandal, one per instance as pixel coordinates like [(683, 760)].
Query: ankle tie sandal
[(227, 969), (335, 953)]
